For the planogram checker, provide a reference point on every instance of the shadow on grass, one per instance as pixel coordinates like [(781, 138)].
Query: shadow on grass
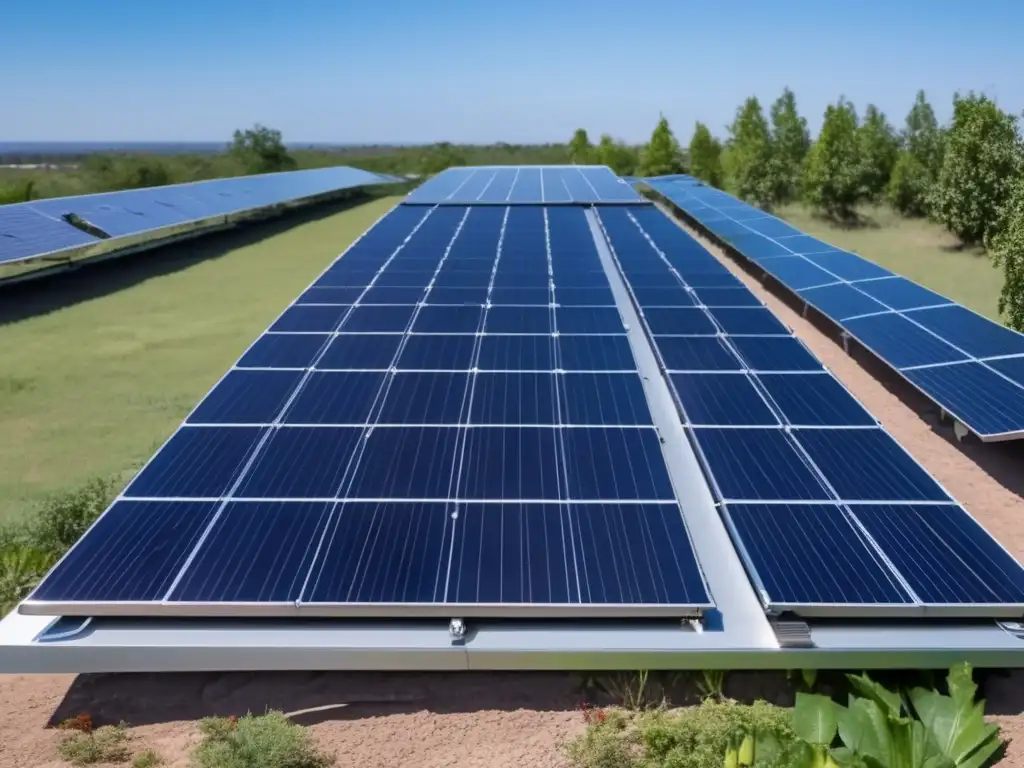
[(59, 290), (850, 220)]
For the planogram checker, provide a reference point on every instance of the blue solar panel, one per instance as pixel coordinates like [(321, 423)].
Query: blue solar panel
[(524, 186), (749, 321), (726, 297), (757, 247), (868, 465), (969, 331), (799, 242), (847, 266), (679, 322), (797, 272), (34, 229), (360, 407), (901, 343), (841, 301), (1011, 367), (676, 296), (775, 353), (804, 555), (724, 399), (696, 353), (776, 228), (975, 395), (758, 465), (814, 400), (900, 293)]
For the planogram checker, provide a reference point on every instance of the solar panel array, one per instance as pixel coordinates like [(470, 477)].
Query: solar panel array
[(969, 366), (550, 185), (449, 421), (38, 228), (828, 512)]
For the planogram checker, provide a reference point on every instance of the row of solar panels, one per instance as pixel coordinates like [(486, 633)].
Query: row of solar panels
[(970, 366), (525, 185), (41, 228), (452, 421)]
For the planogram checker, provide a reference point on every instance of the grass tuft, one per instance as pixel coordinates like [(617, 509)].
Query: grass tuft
[(108, 744), (147, 759), (257, 741)]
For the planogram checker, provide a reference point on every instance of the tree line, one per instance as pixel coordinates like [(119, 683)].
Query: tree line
[(967, 175)]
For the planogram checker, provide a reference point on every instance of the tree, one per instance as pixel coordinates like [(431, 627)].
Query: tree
[(1007, 250), (980, 163), (261, 150), (878, 150), (662, 155), (581, 151), (616, 155), (440, 157), (919, 161), (752, 168), (833, 176), (791, 142), (706, 156)]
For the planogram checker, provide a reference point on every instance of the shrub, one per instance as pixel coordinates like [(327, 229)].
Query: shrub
[(1007, 250), (65, 517), (264, 741), (108, 744), (909, 186), (695, 737), (147, 759), (834, 174), (980, 162)]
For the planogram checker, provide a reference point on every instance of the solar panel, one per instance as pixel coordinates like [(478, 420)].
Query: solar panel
[(524, 185), (800, 469), (38, 228), (388, 454), (908, 326)]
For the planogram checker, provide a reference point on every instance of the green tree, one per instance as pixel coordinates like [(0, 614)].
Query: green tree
[(919, 161), (1007, 250), (616, 155), (662, 155), (261, 150), (440, 157), (833, 176), (752, 169), (581, 151), (980, 163), (706, 156), (791, 142), (878, 150)]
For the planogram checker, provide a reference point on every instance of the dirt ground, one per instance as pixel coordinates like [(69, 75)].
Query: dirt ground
[(473, 719)]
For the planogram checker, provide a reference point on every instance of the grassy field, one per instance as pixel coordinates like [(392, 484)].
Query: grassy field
[(916, 248), (100, 366)]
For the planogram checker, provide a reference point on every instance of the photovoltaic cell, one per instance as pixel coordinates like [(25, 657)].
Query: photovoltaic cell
[(406, 463), (969, 331), (726, 297), (696, 353), (382, 319), (511, 463), (975, 395), (516, 353), (441, 353), (336, 398), (424, 398), (900, 293), (342, 296), (603, 399), (247, 397), (841, 301), (514, 398), (611, 463), (132, 553), (355, 351), (814, 399), (197, 462), (506, 319), (275, 350), (306, 318), (775, 354), (812, 554), (680, 322), (724, 399), (745, 321), (595, 353), (301, 463), (901, 343)]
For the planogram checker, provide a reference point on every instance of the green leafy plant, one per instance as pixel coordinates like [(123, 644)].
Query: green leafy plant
[(712, 684), (879, 729), (108, 744), (629, 688), (147, 759), (834, 172), (257, 741)]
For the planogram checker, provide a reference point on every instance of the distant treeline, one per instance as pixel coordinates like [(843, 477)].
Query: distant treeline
[(258, 150)]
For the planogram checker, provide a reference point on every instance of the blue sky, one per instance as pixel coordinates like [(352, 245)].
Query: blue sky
[(522, 71)]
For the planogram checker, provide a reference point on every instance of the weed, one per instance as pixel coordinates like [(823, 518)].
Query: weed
[(147, 759), (712, 684), (64, 517), (257, 741), (108, 744), (629, 689)]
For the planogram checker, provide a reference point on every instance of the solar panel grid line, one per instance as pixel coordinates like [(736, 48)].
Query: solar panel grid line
[(902, 313), (952, 363), (350, 466), (121, 495)]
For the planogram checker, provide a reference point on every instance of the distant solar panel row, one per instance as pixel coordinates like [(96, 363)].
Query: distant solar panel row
[(450, 421), (524, 185), (829, 513), (31, 230), (970, 366)]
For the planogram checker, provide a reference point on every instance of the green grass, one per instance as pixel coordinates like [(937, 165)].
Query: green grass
[(94, 386), (918, 249)]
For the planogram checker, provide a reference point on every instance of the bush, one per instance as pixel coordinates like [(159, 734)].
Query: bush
[(909, 186), (834, 176), (695, 737), (147, 759), (29, 549), (982, 158), (1007, 250), (265, 741), (108, 744)]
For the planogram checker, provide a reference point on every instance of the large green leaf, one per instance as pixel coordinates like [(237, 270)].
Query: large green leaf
[(889, 701), (815, 719), (864, 729)]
